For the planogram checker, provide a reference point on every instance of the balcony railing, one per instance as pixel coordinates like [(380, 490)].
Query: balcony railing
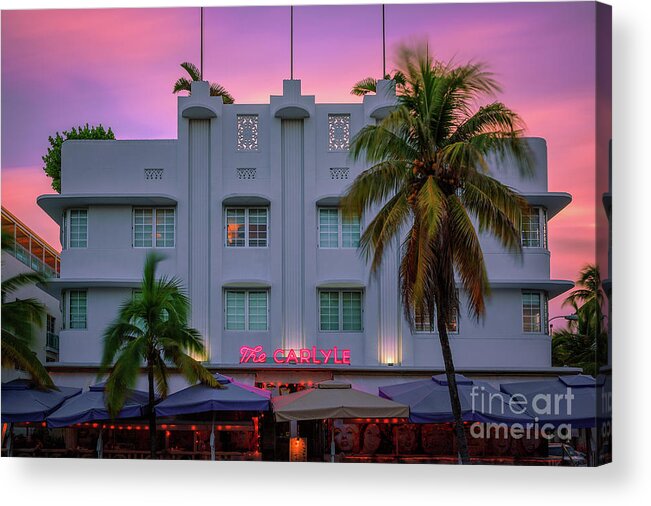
[(52, 341), (33, 262)]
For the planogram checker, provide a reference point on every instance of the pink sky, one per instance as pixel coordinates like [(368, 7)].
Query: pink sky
[(62, 68)]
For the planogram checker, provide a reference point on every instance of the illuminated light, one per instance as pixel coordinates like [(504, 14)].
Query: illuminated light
[(120, 427), (386, 420), (194, 427), (137, 427), (167, 433), (43, 424), (95, 426), (103, 426), (128, 427), (164, 426), (112, 427), (394, 420)]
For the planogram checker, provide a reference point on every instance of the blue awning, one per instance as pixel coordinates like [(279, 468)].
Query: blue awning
[(429, 401), (234, 396), (91, 407), (21, 402)]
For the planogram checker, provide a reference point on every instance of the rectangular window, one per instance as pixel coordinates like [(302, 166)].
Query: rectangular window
[(340, 311), (77, 309), (423, 323), (534, 228), (338, 230), (247, 310), (154, 227), (247, 227), (534, 312), (78, 228)]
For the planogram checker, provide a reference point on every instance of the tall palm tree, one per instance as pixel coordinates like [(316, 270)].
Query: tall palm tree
[(369, 84), (584, 343), (430, 177), (151, 329), (185, 84), (20, 319)]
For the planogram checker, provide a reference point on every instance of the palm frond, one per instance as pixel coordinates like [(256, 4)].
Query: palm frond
[(16, 353)]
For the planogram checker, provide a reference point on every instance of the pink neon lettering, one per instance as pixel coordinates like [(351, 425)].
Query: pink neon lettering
[(326, 355), (345, 357), (255, 355), (280, 360), (304, 356), (291, 356)]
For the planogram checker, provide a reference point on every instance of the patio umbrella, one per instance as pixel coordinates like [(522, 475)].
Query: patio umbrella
[(331, 399), (21, 402), (429, 401), (562, 400), (235, 396), (91, 407)]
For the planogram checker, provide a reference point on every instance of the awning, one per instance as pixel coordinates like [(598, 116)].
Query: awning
[(332, 399), (91, 407), (429, 401), (21, 402), (234, 396)]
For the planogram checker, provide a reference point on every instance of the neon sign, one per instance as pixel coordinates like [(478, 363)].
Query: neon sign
[(257, 355)]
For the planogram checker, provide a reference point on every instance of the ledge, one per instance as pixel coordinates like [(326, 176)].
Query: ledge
[(55, 286), (54, 205), (554, 202), (553, 287)]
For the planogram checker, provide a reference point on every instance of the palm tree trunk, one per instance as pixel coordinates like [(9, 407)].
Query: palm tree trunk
[(462, 443), (152, 412)]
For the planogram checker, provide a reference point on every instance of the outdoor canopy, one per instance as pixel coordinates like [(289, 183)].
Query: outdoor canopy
[(331, 399), (90, 407), (22, 402), (429, 401), (563, 400), (234, 396)]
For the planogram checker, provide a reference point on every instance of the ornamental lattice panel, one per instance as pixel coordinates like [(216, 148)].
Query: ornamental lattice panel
[(153, 174), (339, 173), (246, 173), (247, 132), (338, 132)]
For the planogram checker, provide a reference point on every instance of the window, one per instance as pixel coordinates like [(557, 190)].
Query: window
[(78, 228), (534, 312), (246, 310), (340, 311), (153, 227), (338, 230), (77, 309), (247, 227), (534, 228), (423, 323)]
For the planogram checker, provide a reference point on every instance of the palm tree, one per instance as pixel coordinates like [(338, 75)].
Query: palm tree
[(584, 343), (369, 84), (20, 319), (152, 329), (429, 175), (185, 84)]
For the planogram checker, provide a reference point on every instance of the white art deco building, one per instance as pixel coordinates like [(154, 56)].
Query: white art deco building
[(244, 204)]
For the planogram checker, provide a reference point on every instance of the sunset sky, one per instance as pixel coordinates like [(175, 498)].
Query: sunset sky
[(62, 68)]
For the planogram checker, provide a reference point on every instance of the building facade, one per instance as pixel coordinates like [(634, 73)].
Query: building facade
[(244, 206), (27, 252)]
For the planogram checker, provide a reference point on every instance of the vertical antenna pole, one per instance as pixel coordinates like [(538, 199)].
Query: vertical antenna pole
[(384, 47), (291, 42), (201, 63)]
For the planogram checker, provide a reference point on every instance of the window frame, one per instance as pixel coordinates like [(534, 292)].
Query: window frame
[(340, 309), (68, 309), (340, 228), (154, 213), (247, 313), (542, 228), (68, 228), (543, 307), (247, 224), (434, 326)]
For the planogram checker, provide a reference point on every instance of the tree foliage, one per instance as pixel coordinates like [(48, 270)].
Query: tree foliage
[(185, 84), (52, 159)]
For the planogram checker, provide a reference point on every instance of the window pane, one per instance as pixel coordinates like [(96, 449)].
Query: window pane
[(349, 231), (328, 228), (531, 313), (164, 228), (329, 310), (531, 228), (235, 310), (142, 228), (77, 309), (257, 228), (257, 310), (422, 321), (352, 310), (235, 221), (78, 228)]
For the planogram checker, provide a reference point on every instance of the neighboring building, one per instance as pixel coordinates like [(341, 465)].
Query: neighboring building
[(31, 253), (244, 204)]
